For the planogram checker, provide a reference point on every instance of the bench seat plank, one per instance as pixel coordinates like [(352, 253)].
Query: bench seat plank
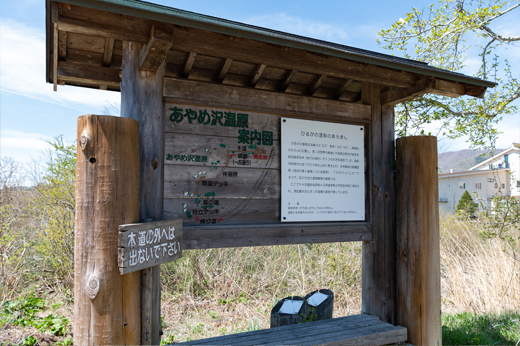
[(349, 330)]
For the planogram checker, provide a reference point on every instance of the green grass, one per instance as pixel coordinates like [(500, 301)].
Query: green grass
[(481, 329)]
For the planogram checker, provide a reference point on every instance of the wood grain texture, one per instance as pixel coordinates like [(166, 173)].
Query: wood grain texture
[(378, 268), (393, 96), (207, 43), (149, 244), (153, 54), (205, 94), (418, 249), (107, 195), (350, 330), (68, 71), (108, 52), (204, 237), (141, 100)]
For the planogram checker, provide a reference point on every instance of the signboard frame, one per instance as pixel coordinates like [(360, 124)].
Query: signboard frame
[(274, 232), (330, 181)]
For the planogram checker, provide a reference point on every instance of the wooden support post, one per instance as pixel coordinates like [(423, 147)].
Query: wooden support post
[(378, 268), (106, 303), (418, 244), (141, 99)]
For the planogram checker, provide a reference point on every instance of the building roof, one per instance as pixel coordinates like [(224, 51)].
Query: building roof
[(514, 146), (482, 171), (77, 26)]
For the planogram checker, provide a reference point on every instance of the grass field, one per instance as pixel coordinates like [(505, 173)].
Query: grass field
[(222, 291)]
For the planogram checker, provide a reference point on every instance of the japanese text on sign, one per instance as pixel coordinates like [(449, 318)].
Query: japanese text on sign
[(149, 244), (323, 175)]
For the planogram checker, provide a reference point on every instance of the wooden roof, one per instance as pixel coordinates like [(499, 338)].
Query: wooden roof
[(84, 48)]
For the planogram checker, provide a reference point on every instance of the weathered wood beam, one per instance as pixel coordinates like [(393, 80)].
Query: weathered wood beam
[(379, 261), (188, 65), (62, 46), (213, 44), (257, 74), (316, 84), (201, 93), (224, 70), (94, 29), (219, 45), (153, 54), (475, 91), (450, 89), (394, 96), (108, 52), (55, 56), (83, 73), (287, 81), (55, 44), (141, 99), (343, 87)]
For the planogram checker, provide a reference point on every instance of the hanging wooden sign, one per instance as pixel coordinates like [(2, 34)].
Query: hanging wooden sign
[(144, 245)]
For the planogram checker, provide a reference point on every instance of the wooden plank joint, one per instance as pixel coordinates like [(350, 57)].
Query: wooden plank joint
[(395, 95), (153, 54), (257, 74), (189, 64)]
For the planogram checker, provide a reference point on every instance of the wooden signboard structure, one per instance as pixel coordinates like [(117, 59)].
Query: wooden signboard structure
[(210, 94), (145, 245)]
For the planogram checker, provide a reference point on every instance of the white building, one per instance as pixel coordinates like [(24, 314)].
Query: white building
[(497, 175)]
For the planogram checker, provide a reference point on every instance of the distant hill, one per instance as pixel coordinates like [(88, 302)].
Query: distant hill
[(462, 160)]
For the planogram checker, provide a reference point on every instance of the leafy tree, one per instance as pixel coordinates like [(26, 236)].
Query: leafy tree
[(466, 204), (503, 219), (54, 208), (438, 35)]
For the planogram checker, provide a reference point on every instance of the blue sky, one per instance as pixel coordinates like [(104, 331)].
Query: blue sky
[(32, 113)]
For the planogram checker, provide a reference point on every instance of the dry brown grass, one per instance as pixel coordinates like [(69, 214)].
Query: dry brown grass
[(478, 275), (224, 291)]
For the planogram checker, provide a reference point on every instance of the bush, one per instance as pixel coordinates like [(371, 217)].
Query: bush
[(466, 205)]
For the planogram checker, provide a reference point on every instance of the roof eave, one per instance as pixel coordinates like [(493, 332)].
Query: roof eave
[(165, 14)]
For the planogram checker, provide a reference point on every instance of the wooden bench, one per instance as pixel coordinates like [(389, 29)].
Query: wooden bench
[(350, 330)]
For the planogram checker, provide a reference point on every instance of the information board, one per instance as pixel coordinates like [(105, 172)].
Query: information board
[(322, 171)]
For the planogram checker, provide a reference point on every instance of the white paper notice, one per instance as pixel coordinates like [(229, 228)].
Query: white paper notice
[(323, 171), (291, 307), (317, 298)]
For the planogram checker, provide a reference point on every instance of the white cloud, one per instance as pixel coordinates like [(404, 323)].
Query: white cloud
[(22, 69), (299, 26), (23, 146)]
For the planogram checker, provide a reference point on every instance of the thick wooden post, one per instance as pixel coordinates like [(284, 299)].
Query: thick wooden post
[(418, 252), (378, 271), (142, 100), (106, 304)]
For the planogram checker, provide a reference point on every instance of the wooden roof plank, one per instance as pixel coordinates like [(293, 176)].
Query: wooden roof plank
[(189, 64), (287, 81), (316, 84), (79, 27), (89, 74), (224, 70), (394, 96), (108, 52), (257, 74), (62, 45), (219, 45), (208, 43), (153, 53), (343, 87)]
